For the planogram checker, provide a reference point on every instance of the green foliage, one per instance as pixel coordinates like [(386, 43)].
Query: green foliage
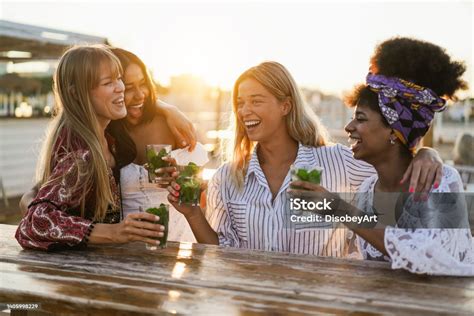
[(302, 174), (190, 170), (163, 213), (313, 176), (190, 184), (155, 160)]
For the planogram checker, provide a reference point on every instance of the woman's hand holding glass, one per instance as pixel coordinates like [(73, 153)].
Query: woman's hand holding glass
[(165, 175), (139, 227), (188, 210)]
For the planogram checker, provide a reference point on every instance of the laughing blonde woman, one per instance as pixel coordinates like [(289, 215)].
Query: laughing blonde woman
[(247, 198), (78, 202)]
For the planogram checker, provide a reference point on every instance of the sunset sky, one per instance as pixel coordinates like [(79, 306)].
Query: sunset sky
[(325, 45)]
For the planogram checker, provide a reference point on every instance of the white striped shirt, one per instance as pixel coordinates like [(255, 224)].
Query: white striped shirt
[(248, 218)]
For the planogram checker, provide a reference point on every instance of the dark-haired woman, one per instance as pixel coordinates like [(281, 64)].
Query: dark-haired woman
[(148, 120), (392, 111), (146, 124)]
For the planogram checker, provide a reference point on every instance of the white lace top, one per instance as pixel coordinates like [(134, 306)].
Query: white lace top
[(136, 191), (437, 251)]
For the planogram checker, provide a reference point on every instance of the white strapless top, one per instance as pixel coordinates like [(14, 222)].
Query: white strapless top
[(136, 191)]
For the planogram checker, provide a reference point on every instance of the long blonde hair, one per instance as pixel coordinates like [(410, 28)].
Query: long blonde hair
[(301, 122), (76, 75)]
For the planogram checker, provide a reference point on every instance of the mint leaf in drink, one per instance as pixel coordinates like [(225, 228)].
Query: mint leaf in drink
[(302, 174), (150, 154), (153, 210), (190, 191), (163, 213), (158, 211), (162, 153), (190, 184), (180, 180), (314, 176), (190, 170), (155, 160)]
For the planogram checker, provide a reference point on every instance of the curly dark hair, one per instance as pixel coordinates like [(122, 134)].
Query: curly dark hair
[(420, 62)]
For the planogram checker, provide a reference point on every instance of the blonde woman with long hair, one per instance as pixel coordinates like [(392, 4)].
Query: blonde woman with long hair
[(78, 201), (247, 199)]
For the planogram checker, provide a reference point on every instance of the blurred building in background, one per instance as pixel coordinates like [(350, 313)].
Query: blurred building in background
[(28, 57)]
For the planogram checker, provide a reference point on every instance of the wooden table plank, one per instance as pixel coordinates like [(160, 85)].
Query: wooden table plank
[(196, 279)]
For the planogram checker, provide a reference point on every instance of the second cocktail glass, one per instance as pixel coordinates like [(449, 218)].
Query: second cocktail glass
[(154, 157), (190, 184)]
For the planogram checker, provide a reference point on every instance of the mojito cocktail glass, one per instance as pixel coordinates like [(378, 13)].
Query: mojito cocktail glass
[(189, 181), (163, 212), (306, 173), (154, 157)]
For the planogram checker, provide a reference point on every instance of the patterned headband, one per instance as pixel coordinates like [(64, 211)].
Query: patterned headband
[(407, 107)]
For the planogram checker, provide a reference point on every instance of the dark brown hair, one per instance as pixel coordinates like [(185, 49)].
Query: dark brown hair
[(126, 151), (128, 58)]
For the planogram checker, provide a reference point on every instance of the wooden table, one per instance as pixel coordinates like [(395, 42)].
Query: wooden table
[(209, 280)]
